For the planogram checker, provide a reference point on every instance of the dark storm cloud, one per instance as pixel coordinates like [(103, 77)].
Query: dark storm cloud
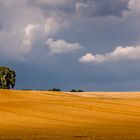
[(90, 8), (101, 8)]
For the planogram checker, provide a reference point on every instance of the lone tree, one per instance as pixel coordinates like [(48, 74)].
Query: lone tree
[(7, 78)]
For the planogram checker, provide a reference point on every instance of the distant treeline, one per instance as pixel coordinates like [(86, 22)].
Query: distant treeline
[(56, 89)]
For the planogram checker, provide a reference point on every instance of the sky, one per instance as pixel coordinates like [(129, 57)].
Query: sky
[(92, 45)]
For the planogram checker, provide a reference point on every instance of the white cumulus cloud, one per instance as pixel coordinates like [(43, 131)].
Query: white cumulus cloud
[(134, 5), (120, 53), (28, 33), (61, 46)]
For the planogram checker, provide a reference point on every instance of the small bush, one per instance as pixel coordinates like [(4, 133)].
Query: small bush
[(74, 90), (54, 89), (80, 90)]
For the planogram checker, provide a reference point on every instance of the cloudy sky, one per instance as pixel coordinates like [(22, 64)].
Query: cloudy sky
[(83, 44)]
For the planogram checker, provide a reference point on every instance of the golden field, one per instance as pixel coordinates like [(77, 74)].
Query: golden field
[(43, 115)]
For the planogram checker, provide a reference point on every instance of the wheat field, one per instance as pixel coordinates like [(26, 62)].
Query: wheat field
[(43, 115)]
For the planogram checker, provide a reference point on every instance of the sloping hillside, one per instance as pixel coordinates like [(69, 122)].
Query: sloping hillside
[(60, 116), (121, 95)]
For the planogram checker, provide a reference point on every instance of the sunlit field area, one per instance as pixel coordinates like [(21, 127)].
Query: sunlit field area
[(63, 116)]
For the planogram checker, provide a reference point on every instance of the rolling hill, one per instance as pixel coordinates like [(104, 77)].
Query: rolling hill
[(59, 116)]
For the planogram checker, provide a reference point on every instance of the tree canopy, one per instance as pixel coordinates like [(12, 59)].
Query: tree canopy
[(7, 78)]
